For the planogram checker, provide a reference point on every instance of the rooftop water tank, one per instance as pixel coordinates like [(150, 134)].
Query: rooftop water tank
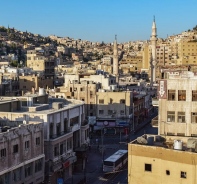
[(178, 145), (41, 91), (150, 140)]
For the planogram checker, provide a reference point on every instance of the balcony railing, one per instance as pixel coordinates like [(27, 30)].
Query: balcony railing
[(83, 123)]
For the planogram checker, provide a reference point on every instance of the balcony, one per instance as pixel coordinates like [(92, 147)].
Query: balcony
[(54, 136), (84, 122), (154, 122)]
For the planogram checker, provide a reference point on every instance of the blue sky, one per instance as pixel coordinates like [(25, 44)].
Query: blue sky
[(100, 20)]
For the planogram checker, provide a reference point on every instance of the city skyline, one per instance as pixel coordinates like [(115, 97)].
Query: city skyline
[(99, 20)]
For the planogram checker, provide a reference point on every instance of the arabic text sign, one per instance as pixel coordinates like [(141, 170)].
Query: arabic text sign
[(162, 91)]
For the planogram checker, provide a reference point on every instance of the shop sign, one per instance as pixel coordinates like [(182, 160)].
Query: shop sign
[(66, 164)]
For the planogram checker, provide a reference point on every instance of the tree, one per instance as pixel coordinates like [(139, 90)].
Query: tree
[(195, 28), (14, 63)]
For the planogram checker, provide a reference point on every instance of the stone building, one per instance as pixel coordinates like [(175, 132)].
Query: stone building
[(32, 83), (170, 156), (66, 133), (178, 104), (84, 91), (39, 60), (21, 152), (162, 159)]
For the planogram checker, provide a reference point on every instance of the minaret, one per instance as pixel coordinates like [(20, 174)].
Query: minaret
[(115, 57), (153, 61)]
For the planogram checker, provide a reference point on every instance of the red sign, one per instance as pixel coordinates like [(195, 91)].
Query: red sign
[(66, 164), (162, 89)]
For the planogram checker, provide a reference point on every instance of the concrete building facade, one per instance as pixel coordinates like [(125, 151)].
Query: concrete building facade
[(22, 158), (65, 131), (159, 161), (178, 104), (170, 156)]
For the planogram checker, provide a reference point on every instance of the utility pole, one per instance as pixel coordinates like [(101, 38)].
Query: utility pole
[(102, 143), (133, 118)]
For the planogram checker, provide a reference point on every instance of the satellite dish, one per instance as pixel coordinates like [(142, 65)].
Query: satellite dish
[(24, 122), (141, 140)]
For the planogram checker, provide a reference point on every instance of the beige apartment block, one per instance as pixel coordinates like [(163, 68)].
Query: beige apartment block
[(168, 160), (131, 64), (163, 54), (114, 104), (84, 91), (187, 48), (178, 104), (22, 158), (34, 82), (105, 80), (40, 61)]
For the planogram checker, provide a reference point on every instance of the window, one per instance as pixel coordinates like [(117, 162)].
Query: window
[(122, 101), (181, 95), (181, 117), (171, 95), (26, 145), (148, 167), (24, 87), (17, 174), (15, 148), (61, 149), (171, 116), (101, 112), (28, 170), (194, 95), (56, 151), (110, 112), (38, 165), (183, 174), (167, 172), (37, 141), (194, 117), (101, 101), (25, 80), (58, 128), (69, 143), (111, 101), (3, 152), (122, 112)]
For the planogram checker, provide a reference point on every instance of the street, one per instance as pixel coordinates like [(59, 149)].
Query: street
[(110, 144)]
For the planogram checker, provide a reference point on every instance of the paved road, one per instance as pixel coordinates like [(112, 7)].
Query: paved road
[(93, 172)]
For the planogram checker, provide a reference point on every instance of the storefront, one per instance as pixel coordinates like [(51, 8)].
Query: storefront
[(112, 126)]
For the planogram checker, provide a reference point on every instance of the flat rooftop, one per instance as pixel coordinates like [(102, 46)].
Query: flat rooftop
[(186, 144)]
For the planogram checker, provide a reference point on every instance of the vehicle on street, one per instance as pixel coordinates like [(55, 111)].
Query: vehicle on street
[(115, 161)]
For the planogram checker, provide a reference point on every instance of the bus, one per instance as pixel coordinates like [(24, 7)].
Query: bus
[(115, 161)]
